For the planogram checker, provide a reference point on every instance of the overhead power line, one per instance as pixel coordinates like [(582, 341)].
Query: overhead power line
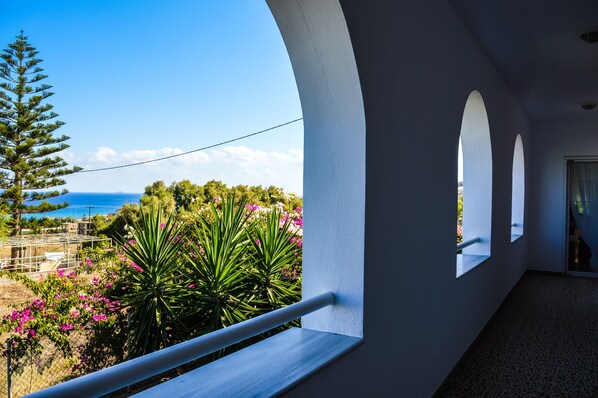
[(122, 166)]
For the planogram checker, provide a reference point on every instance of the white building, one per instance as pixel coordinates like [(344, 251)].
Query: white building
[(384, 87)]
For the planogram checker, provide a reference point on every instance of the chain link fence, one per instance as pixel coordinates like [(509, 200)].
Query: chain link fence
[(21, 376)]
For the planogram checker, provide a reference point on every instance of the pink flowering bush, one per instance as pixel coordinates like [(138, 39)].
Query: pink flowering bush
[(99, 256), (72, 312)]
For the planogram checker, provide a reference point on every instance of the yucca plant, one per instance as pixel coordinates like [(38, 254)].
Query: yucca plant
[(158, 291), (272, 258), (218, 264)]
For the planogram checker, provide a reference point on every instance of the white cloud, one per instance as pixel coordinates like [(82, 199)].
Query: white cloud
[(232, 164)]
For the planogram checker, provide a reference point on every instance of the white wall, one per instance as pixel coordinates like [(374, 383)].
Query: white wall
[(417, 64), (334, 171), (552, 141)]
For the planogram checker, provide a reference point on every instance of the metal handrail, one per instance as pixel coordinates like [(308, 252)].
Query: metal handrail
[(463, 245), (126, 373)]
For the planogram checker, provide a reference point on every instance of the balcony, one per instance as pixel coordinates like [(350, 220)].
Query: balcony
[(380, 204), (540, 342), (263, 369)]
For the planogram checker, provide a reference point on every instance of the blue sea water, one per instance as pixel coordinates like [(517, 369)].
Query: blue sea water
[(85, 203)]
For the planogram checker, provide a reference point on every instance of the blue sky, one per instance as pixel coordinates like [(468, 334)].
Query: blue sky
[(134, 80)]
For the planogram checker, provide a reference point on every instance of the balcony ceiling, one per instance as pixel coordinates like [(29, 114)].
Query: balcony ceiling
[(535, 47)]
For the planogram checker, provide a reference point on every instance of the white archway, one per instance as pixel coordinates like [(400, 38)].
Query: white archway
[(319, 46), (518, 191), (477, 184)]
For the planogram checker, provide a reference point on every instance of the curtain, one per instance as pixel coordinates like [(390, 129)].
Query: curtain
[(584, 204)]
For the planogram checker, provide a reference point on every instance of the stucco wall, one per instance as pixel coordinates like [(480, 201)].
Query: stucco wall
[(553, 140), (417, 65), (316, 37)]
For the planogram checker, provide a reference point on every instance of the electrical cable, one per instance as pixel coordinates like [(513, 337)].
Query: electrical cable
[(122, 166)]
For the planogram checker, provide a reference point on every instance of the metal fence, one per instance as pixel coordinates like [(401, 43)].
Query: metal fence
[(45, 252), (21, 376)]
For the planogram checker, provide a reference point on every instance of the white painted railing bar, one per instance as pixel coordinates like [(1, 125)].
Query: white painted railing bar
[(124, 374), (463, 245)]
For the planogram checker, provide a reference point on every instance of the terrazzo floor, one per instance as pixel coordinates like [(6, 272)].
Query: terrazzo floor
[(542, 342)]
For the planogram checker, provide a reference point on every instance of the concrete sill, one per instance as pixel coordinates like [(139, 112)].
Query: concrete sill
[(264, 369), (467, 262), (514, 237)]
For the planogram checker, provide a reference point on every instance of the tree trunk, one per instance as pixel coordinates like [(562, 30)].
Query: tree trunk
[(15, 251)]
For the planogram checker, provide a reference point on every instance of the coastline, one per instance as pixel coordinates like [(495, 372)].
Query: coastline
[(85, 204)]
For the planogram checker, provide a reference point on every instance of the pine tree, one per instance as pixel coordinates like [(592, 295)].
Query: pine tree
[(28, 165)]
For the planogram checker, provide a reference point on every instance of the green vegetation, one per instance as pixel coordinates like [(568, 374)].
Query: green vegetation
[(219, 263), (189, 201), (460, 218), (170, 278), (4, 220), (274, 246), (27, 140), (158, 288), (235, 262), (184, 196), (44, 224)]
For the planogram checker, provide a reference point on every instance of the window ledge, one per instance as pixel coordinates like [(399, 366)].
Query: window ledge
[(467, 262), (266, 368), (514, 237)]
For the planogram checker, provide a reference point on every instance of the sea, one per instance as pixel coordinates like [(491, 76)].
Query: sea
[(84, 204)]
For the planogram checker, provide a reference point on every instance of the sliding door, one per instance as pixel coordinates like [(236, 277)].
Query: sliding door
[(582, 234)]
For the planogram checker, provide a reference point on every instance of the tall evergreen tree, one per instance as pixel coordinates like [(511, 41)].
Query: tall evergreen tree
[(28, 167)]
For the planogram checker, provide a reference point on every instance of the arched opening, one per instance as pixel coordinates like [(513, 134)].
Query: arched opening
[(322, 56), (321, 53), (477, 174), (460, 193), (518, 191), (320, 49)]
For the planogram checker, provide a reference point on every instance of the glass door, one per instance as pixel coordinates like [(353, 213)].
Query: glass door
[(582, 204)]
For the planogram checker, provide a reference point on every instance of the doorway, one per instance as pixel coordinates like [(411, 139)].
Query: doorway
[(582, 217)]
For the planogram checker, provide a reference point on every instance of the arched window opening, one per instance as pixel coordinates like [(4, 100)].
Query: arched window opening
[(518, 191), (477, 173), (460, 192), (318, 41)]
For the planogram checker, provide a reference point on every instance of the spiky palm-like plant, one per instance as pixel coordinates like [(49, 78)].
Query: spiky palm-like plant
[(273, 254), (158, 292), (218, 261)]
